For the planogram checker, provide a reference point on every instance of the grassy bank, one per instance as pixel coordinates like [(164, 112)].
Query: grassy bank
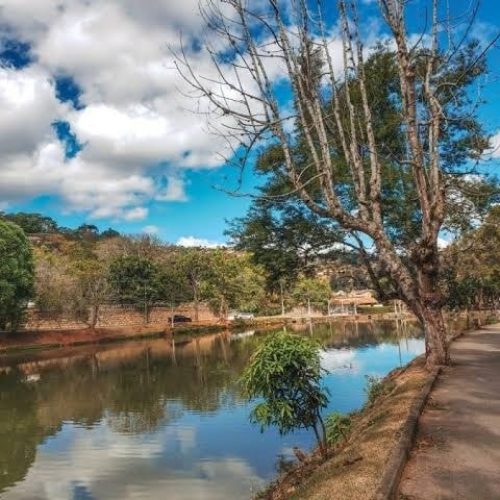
[(354, 471), (360, 462)]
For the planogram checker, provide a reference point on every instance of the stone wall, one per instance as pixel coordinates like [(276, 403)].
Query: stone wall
[(116, 316)]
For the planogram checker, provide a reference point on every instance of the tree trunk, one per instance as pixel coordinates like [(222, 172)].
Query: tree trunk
[(196, 305), (94, 316), (436, 345)]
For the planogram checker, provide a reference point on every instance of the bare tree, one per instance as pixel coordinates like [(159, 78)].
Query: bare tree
[(328, 127)]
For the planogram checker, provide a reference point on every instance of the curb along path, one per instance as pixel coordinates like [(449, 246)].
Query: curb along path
[(457, 451)]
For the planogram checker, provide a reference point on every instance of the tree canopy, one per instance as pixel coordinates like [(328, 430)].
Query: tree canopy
[(379, 147), (16, 275)]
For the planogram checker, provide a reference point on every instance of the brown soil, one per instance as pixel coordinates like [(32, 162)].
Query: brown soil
[(355, 471)]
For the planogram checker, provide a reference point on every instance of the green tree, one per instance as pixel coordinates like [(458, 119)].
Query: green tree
[(136, 280), (16, 275), (284, 239), (285, 371), (196, 266), (31, 223), (311, 291), (375, 147), (173, 280), (233, 282), (92, 288), (472, 266)]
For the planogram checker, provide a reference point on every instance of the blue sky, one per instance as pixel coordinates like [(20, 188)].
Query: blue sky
[(94, 126)]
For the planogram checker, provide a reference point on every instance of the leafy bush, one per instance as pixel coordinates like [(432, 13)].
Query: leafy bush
[(375, 387), (337, 426), (285, 371)]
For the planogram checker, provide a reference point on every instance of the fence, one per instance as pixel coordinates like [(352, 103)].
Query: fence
[(110, 316)]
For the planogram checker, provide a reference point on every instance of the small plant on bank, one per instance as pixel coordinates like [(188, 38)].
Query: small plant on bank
[(375, 387), (338, 426), (285, 372)]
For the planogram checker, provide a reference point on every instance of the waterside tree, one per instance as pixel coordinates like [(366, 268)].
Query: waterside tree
[(16, 275), (387, 180), (285, 371)]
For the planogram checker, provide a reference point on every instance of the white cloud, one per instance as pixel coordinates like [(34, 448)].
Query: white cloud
[(340, 359), (138, 126), (151, 229), (113, 465), (192, 241), (29, 106), (495, 146), (135, 120)]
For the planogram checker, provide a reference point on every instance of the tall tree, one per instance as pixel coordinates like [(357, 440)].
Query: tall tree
[(195, 263), (472, 266), (16, 275), (384, 182), (311, 292), (136, 280), (233, 283)]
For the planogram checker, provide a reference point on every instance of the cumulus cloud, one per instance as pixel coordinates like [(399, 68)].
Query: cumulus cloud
[(151, 229), (192, 241), (136, 129), (135, 123), (495, 146)]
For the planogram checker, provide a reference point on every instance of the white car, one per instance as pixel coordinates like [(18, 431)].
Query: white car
[(240, 315)]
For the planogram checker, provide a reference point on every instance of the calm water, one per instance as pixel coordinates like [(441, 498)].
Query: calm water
[(151, 420)]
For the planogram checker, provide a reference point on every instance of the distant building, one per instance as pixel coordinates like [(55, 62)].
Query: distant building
[(346, 302)]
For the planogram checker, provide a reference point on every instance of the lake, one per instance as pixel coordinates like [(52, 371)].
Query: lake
[(156, 419)]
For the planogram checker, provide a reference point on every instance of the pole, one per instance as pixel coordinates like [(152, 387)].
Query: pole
[(282, 299)]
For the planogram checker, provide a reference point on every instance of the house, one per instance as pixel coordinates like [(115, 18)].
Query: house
[(348, 302)]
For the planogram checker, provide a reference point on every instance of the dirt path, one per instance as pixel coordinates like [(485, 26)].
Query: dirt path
[(457, 452)]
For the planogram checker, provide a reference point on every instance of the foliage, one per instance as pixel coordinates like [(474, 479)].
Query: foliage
[(233, 282), (135, 280), (31, 222), (16, 275), (285, 371), (380, 150), (472, 267), (92, 288), (309, 291), (376, 387), (284, 239), (53, 283), (195, 263), (174, 284), (338, 426)]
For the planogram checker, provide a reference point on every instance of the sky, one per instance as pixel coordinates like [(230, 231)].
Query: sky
[(96, 127)]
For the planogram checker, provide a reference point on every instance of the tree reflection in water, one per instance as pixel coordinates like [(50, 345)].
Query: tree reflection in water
[(137, 387)]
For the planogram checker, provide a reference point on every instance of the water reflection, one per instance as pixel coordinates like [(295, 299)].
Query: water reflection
[(154, 419)]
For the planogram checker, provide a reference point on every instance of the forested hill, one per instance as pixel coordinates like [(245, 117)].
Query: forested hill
[(38, 224)]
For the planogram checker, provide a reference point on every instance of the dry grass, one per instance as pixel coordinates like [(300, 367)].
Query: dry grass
[(356, 469)]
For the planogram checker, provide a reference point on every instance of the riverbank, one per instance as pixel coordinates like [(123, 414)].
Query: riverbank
[(355, 470), (369, 463), (39, 339)]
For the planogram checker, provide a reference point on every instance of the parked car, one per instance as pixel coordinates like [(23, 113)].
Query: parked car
[(179, 318), (240, 315)]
